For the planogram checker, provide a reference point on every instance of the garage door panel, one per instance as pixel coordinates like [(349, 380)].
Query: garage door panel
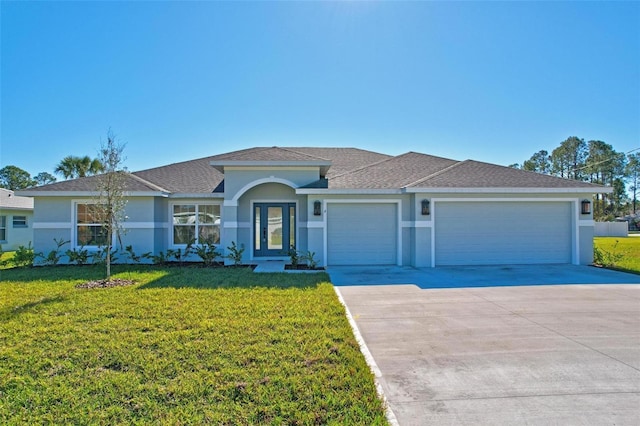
[(485, 233), (362, 234)]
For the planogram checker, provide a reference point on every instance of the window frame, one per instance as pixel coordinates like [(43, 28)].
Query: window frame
[(3, 228), (75, 225), (20, 225), (197, 204)]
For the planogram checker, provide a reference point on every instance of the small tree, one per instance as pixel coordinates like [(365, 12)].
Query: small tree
[(111, 188)]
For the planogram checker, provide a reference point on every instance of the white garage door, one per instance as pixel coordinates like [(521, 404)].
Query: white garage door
[(494, 233), (362, 234)]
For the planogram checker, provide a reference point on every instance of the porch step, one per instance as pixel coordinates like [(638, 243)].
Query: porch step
[(269, 266)]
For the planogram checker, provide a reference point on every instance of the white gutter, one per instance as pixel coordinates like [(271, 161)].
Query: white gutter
[(87, 194), (219, 195), (320, 191), (603, 190)]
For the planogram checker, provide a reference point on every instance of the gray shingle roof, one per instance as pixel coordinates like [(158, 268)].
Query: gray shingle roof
[(9, 200), (90, 183), (195, 176), (351, 168), (476, 174), (344, 159), (392, 172), (273, 153)]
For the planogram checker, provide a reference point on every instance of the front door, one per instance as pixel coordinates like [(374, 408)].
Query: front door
[(273, 228)]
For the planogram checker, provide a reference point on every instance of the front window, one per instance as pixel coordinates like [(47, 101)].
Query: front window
[(19, 221), (90, 231), (3, 228), (196, 223)]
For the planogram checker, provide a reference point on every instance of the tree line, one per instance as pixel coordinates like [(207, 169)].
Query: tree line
[(70, 167), (596, 162)]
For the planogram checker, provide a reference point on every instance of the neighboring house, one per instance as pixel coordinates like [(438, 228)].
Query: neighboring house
[(347, 205), (16, 218)]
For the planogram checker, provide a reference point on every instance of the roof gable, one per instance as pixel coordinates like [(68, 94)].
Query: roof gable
[(273, 153), (269, 157)]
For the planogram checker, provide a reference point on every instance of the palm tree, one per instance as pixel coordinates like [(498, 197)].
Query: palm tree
[(72, 167)]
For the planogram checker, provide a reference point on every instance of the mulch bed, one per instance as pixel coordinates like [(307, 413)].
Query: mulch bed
[(303, 268), (113, 282)]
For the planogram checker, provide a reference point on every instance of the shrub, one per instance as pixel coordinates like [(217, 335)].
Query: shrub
[(161, 258), (309, 257), (54, 256), (294, 257), (235, 253), (131, 254), (208, 253), (179, 255), (99, 257), (607, 258), (78, 256), (24, 256)]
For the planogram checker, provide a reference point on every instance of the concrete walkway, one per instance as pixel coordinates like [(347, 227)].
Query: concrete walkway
[(269, 266), (561, 354)]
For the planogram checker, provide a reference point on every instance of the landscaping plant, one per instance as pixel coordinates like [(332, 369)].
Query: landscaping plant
[(235, 253), (78, 256), (54, 256), (24, 256), (309, 257), (208, 252)]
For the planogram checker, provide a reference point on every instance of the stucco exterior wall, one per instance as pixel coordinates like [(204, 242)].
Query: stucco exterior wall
[(17, 236), (54, 218), (236, 180), (149, 227), (586, 245)]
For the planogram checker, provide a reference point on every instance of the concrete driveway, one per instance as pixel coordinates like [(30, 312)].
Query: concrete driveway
[(478, 276), (543, 354)]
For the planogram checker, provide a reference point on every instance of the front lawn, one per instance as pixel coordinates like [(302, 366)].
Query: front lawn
[(183, 346), (621, 253)]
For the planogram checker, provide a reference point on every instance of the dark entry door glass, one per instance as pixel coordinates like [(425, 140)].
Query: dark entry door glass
[(273, 228)]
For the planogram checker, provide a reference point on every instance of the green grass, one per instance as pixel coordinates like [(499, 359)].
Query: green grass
[(183, 346), (623, 252)]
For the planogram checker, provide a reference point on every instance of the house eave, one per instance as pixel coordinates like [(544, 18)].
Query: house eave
[(88, 194), (220, 165), (527, 190), (13, 208), (219, 195), (347, 191)]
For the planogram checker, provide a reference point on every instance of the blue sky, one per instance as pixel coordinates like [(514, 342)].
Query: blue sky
[(491, 81)]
